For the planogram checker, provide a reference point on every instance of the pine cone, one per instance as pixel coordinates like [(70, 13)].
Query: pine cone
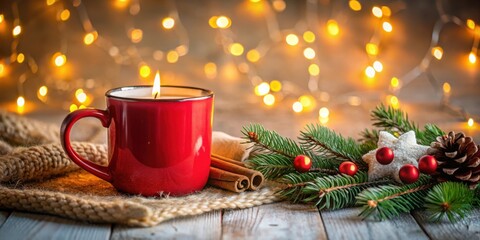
[(458, 159)]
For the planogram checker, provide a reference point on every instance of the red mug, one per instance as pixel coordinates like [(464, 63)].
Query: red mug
[(155, 146)]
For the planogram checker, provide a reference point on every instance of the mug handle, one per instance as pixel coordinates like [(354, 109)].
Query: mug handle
[(67, 124)]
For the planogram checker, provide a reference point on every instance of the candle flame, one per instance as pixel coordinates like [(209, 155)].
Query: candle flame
[(156, 86)]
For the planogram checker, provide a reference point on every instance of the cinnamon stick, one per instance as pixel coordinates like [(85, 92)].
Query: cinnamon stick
[(239, 163), (256, 178), (227, 180)]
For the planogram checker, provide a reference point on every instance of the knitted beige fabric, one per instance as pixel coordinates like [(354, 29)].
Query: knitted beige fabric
[(41, 178)]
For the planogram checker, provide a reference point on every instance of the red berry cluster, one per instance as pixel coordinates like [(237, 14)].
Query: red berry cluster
[(408, 173), (303, 164)]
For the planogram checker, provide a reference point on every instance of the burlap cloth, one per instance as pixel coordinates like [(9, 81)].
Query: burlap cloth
[(37, 176)]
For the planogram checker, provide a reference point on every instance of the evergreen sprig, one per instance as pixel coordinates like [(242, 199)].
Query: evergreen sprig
[(270, 141), (388, 201), (271, 165), (337, 191), (294, 184), (331, 145), (397, 122), (451, 199)]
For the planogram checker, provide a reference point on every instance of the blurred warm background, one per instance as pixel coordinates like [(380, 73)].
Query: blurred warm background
[(282, 63)]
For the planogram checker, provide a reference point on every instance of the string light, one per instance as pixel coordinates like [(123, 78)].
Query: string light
[(332, 27), (90, 37), (378, 66), (73, 107), (393, 101), (213, 22), (394, 82), (307, 101), (20, 58), (64, 15), (182, 50), (81, 97), (437, 52), (253, 55), (42, 91), (291, 39), (50, 2), (324, 112), (470, 24), (386, 11), (309, 36), (168, 23), (279, 5), (262, 89), (20, 101), (297, 107), (470, 122), (355, 5), (223, 22), (269, 100), (172, 56), (309, 53), (136, 35), (236, 49), (387, 27), (354, 101), (377, 12), (372, 49), (370, 72), (59, 59), (2, 69), (446, 88), (144, 70), (210, 70), (2, 17), (313, 69), (275, 86), (472, 58), (17, 30)]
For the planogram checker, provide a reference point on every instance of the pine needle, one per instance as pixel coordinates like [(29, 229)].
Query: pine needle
[(270, 141), (453, 200)]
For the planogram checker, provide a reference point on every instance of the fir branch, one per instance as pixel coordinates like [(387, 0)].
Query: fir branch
[(294, 184), (369, 137), (271, 165), (331, 145), (392, 120), (430, 134), (338, 191), (388, 201), (451, 199), (270, 141)]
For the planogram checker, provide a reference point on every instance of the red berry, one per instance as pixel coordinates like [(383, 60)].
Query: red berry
[(348, 168), (302, 163), (408, 174), (384, 155)]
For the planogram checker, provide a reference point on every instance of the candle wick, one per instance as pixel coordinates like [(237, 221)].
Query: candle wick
[(155, 95)]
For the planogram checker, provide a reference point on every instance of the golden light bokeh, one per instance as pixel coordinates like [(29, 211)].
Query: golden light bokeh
[(372, 49), (2, 18), (172, 56), (73, 107), (324, 112), (291, 39), (377, 12), (213, 22), (90, 37), (446, 88), (470, 24), (136, 35), (275, 86), (387, 27), (308, 102), (17, 30), (386, 11), (370, 72), (42, 91), (472, 58), (309, 53), (297, 107), (332, 27), (470, 122), (20, 101), (65, 15), (168, 23), (2, 69), (393, 101), (210, 70), (144, 71), (269, 100), (309, 36), (81, 97), (437, 52), (20, 58), (355, 5), (279, 5), (314, 69), (236, 49), (378, 66), (253, 55), (50, 2), (59, 59), (394, 82), (262, 89), (223, 22)]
